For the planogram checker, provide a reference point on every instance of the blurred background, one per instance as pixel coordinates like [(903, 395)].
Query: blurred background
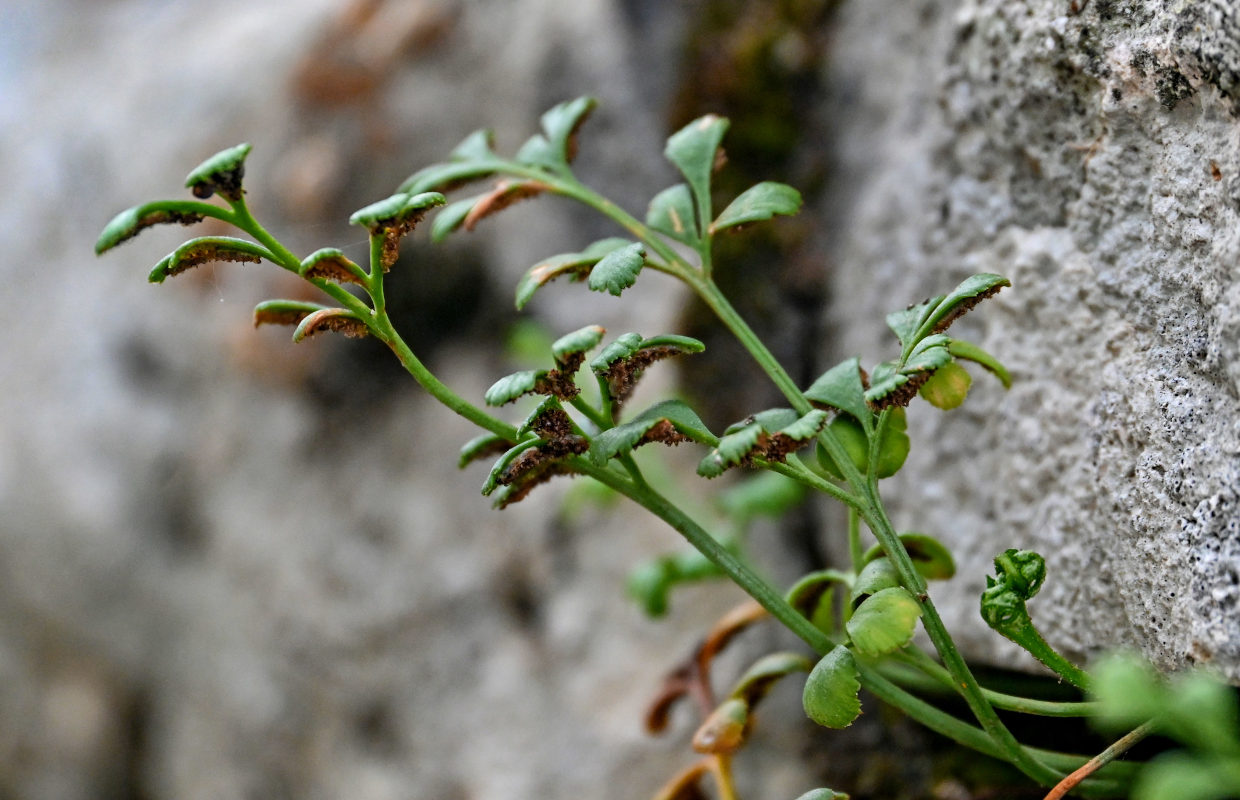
[(235, 568)]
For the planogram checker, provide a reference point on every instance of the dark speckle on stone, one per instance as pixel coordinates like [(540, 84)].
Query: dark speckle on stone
[(1171, 87)]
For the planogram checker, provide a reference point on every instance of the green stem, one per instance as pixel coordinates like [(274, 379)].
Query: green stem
[(1024, 705), (1028, 637), (570, 187), (714, 299), (963, 733), (855, 553), (962, 677), (383, 330), (793, 468), (246, 222), (773, 602), (286, 259), (716, 553), (599, 418), (375, 284), (875, 517)]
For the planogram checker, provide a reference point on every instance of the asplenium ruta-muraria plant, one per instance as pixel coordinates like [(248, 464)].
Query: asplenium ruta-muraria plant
[(839, 436)]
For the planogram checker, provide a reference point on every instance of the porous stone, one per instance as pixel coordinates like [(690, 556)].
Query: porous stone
[(1089, 152)]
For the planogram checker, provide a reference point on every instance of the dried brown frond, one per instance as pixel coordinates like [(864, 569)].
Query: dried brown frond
[(504, 194)]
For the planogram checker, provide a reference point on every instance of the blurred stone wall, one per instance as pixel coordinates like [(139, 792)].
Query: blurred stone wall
[(232, 567)]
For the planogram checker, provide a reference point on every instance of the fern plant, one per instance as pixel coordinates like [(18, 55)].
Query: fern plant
[(857, 621)]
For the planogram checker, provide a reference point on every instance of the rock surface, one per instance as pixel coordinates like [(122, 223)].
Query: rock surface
[(1093, 157)]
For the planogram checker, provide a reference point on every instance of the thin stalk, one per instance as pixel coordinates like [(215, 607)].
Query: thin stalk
[(721, 768), (384, 331), (287, 260), (709, 293), (855, 553), (246, 222), (793, 468), (375, 284), (599, 418), (1101, 760), (968, 735), (1024, 705), (865, 496), (570, 187), (709, 546), (963, 733), (962, 677)]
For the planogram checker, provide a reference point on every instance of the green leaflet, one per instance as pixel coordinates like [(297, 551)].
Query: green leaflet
[(132, 221), (841, 388), (830, 696), (806, 427), (692, 149), (481, 446), (575, 265), (970, 292), (617, 270), (206, 249), (671, 212), (813, 596), (906, 322), (938, 313), (477, 146), (555, 147), (623, 438), (622, 347), (451, 217), (897, 385), (892, 450), (549, 404), (930, 557), (401, 210), (971, 352), (733, 449), (823, 794), (283, 312), (884, 622), (221, 173), (769, 420), (765, 672), (947, 387), (504, 461), (875, 576), (621, 364), (446, 177), (770, 434), (571, 346), (759, 202), (331, 264), (539, 152), (510, 387)]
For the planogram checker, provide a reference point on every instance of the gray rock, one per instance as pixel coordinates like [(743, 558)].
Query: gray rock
[(1092, 158)]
